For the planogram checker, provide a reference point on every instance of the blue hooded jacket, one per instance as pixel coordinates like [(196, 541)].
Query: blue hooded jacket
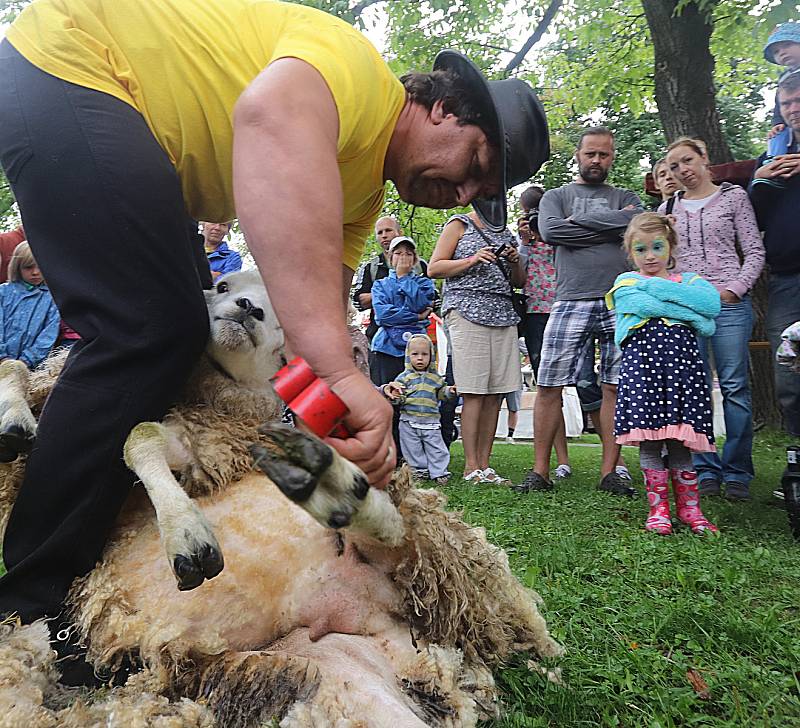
[(29, 322), (693, 301), (223, 260), (396, 304)]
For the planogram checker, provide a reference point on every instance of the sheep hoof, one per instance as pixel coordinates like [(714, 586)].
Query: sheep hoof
[(192, 571), (295, 483), (340, 519), (14, 440), (299, 448)]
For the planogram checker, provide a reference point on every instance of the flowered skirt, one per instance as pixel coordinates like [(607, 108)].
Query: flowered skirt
[(662, 392)]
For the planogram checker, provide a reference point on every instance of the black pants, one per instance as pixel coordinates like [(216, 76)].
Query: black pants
[(385, 368), (447, 409), (103, 210), (533, 331)]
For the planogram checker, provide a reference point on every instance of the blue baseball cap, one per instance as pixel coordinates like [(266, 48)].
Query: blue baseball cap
[(787, 32)]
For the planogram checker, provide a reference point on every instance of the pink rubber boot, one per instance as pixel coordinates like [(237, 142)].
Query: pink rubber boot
[(687, 502), (657, 484)]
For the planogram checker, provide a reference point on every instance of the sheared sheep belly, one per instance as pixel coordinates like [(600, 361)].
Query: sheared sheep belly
[(283, 571)]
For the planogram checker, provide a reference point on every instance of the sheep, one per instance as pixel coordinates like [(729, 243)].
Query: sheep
[(306, 624)]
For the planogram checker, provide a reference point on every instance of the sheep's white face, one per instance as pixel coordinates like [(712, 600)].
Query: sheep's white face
[(243, 322)]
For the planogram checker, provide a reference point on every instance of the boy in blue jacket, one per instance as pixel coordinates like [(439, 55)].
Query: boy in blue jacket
[(401, 304)]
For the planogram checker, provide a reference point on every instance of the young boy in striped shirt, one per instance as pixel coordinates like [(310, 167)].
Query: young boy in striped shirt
[(417, 392)]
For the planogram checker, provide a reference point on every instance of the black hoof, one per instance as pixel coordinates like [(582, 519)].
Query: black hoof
[(7, 455), (339, 519), (212, 561), (302, 449), (187, 572), (192, 571), (14, 441), (295, 483)]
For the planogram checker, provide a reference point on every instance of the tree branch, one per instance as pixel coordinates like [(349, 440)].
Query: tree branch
[(541, 28), (361, 6)]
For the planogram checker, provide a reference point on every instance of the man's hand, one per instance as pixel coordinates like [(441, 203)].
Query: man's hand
[(777, 129), (425, 313), (729, 296), (365, 300), (784, 166), (370, 419)]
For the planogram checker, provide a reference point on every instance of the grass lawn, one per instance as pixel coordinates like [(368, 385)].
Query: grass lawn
[(640, 614)]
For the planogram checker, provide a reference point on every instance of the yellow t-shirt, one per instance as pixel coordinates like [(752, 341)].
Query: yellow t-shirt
[(183, 64)]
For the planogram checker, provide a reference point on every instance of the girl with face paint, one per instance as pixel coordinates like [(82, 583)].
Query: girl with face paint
[(663, 399)]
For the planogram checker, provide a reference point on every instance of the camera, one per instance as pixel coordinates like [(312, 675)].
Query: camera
[(533, 218), (500, 248)]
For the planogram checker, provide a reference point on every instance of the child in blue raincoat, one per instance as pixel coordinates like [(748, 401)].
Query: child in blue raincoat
[(401, 304), (29, 318)]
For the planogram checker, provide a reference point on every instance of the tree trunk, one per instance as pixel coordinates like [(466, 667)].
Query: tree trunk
[(686, 99), (684, 74)]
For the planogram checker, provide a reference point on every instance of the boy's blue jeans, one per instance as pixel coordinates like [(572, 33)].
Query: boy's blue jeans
[(425, 450), (729, 345)]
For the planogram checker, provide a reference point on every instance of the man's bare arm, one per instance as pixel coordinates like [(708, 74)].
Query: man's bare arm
[(286, 128)]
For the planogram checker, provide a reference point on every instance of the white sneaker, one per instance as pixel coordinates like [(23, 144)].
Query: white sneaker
[(562, 472)]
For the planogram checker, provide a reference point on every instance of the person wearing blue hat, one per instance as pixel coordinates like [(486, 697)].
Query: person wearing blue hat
[(783, 49)]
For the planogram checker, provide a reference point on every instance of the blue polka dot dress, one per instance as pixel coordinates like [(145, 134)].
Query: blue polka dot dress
[(662, 392)]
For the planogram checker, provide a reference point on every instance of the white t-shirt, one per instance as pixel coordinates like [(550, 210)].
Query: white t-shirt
[(695, 205)]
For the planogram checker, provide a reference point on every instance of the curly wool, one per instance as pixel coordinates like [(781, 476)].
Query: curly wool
[(459, 590)]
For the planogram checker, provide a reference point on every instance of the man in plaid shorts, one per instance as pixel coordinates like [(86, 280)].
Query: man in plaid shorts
[(585, 221)]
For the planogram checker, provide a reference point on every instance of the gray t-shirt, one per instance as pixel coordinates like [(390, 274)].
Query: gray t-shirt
[(586, 223)]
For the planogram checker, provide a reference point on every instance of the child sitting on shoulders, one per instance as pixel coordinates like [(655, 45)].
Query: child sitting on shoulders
[(417, 391), (782, 49), (663, 398), (29, 318)]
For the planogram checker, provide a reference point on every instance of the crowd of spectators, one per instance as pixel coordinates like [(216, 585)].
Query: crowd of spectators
[(566, 257)]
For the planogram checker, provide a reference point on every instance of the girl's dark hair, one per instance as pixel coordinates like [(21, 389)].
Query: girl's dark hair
[(531, 197), (457, 96)]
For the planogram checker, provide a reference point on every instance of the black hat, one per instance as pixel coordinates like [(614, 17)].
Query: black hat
[(516, 112)]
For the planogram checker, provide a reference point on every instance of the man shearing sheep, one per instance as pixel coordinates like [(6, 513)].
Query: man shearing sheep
[(118, 122)]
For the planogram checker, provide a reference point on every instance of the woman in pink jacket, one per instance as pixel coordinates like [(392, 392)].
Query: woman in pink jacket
[(710, 220)]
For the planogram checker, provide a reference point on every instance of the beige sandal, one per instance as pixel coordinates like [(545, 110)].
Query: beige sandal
[(490, 476)]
